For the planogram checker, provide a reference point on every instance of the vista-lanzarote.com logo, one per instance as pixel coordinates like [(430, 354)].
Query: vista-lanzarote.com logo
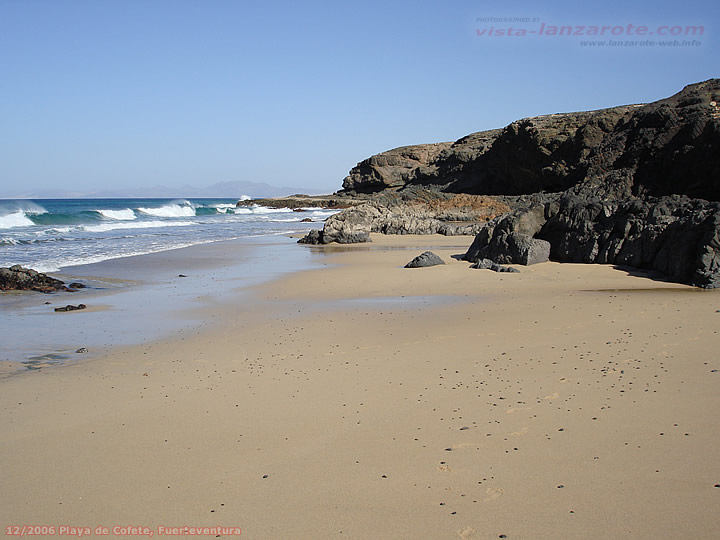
[(664, 34)]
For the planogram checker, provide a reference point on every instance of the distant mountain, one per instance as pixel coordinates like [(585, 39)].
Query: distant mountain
[(217, 190)]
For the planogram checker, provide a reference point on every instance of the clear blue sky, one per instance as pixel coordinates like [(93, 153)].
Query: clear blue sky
[(106, 93)]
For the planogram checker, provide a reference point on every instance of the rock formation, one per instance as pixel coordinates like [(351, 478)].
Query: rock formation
[(662, 148), (675, 236), (636, 185), (425, 259), (413, 211), (24, 279)]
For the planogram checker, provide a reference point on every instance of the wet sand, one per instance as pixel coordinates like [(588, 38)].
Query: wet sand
[(137, 299), (365, 400)]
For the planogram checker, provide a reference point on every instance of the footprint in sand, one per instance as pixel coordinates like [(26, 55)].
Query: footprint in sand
[(444, 468), (493, 493), (552, 396), (467, 532)]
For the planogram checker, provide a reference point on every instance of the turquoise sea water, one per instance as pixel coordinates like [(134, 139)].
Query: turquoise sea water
[(51, 234)]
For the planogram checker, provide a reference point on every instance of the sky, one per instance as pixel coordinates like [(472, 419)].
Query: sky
[(107, 94)]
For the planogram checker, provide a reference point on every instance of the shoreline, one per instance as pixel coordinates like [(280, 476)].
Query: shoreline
[(359, 399), (131, 290)]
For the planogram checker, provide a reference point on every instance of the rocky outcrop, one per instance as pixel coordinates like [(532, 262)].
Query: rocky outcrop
[(425, 259), (636, 185), (395, 168), (662, 148), (669, 147), (418, 212), (676, 236), (24, 279), (544, 153)]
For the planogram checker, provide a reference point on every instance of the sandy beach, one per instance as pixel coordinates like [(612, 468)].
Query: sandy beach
[(360, 399)]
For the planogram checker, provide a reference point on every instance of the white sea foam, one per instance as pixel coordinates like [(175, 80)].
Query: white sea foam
[(321, 214), (15, 219), (56, 266), (31, 208), (135, 225), (120, 215), (170, 210), (266, 210), (55, 230), (255, 209), (278, 233)]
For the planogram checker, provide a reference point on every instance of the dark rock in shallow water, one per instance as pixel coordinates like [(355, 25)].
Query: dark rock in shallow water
[(70, 307), (312, 237), (24, 279), (487, 264), (319, 237), (424, 260), (76, 285)]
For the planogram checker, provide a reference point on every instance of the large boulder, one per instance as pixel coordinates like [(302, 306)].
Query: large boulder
[(508, 248), (428, 258)]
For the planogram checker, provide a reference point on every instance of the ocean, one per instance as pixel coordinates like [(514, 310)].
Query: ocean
[(51, 234), (127, 253)]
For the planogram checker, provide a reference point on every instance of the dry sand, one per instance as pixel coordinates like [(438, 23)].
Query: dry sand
[(365, 400)]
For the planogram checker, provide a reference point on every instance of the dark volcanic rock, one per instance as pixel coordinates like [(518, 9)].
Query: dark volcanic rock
[(487, 264), (662, 148), (636, 185), (24, 279), (676, 236), (339, 235), (424, 260), (533, 154), (71, 307), (508, 248)]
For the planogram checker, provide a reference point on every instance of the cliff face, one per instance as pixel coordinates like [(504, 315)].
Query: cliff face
[(637, 185), (665, 147), (669, 147)]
